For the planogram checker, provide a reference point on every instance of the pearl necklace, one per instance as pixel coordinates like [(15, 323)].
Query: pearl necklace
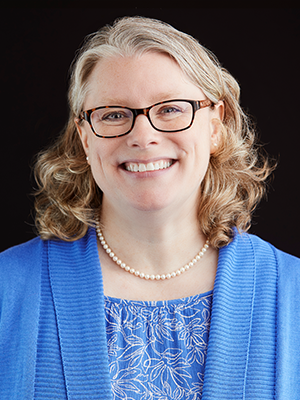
[(141, 275)]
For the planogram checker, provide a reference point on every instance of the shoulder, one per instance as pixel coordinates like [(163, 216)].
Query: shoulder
[(263, 249), (283, 260), (32, 252), (19, 263), (267, 256), (21, 253)]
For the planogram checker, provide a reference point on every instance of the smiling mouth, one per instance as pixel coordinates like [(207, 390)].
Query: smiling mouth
[(152, 166)]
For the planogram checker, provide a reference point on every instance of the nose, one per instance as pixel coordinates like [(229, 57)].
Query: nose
[(143, 134)]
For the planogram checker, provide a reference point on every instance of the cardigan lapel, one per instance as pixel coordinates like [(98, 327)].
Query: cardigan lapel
[(241, 351), (77, 288)]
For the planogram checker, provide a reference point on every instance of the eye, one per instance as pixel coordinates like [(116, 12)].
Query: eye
[(112, 116), (170, 109)]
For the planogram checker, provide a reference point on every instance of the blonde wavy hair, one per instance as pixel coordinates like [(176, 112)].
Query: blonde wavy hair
[(67, 196)]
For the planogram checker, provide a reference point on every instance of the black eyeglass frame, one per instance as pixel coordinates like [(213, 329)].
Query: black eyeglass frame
[(196, 105)]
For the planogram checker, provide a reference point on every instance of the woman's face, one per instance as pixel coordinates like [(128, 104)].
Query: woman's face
[(139, 82)]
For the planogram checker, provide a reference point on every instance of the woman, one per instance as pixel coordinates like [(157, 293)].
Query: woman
[(142, 208)]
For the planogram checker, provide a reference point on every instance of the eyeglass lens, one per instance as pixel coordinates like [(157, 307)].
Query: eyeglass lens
[(168, 117)]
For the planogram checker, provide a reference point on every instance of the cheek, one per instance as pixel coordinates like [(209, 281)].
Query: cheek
[(102, 162), (201, 164), (199, 156), (99, 150), (97, 163), (198, 145)]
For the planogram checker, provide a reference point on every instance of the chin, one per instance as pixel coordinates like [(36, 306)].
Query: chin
[(151, 202), (150, 206)]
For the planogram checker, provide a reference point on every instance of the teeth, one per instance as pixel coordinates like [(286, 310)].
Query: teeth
[(140, 167)]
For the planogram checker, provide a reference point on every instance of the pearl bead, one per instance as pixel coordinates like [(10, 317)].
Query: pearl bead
[(142, 275)]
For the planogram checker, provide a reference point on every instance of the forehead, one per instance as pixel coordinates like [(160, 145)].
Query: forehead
[(131, 81)]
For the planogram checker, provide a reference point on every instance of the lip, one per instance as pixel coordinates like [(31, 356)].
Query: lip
[(147, 160)]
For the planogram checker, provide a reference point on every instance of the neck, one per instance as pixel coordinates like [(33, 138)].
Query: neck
[(157, 241)]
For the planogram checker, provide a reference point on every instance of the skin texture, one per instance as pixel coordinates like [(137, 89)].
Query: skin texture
[(156, 209)]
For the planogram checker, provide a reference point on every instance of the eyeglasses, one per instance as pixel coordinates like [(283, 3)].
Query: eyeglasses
[(166, 116)]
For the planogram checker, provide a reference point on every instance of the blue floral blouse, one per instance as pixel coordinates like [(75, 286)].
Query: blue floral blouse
[(157, 349)]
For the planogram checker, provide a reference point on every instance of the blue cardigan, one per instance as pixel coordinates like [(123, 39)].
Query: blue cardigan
[(253, 351)]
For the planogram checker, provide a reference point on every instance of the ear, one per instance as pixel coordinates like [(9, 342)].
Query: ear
[(219, 108), (82, 134), (216, 126)]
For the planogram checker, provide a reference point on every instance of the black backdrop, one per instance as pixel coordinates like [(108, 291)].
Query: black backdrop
[(259, 46)]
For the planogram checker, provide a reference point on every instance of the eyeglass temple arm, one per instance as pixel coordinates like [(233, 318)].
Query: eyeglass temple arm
[(204, 103)]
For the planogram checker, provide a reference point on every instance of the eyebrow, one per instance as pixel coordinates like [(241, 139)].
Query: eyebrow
[(155, 99)]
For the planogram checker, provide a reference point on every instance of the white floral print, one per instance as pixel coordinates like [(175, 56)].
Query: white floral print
[(157, 349)]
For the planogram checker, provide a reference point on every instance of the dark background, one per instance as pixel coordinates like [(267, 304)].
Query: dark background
[(259, 46)]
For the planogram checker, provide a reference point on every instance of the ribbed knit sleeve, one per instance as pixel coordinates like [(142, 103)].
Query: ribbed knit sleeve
[(288, 338), (20, 274)]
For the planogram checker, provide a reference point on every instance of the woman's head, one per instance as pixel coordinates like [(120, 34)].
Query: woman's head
[(233, 183), (145, 169)]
